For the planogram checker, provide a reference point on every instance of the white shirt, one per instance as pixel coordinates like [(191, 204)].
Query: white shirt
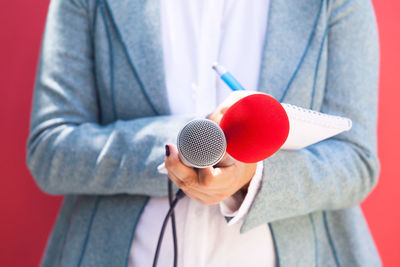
[(196, 33)]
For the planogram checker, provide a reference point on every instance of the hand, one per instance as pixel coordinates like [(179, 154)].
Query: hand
[(209, 186)]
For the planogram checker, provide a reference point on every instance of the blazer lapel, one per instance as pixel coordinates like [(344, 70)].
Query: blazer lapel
[(138, 25), (291, 28), (290, 31)]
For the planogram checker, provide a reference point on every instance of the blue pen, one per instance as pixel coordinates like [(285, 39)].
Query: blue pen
[(227, 77)]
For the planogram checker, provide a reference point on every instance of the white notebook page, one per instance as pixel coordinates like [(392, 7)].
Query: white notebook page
[(308, 127)]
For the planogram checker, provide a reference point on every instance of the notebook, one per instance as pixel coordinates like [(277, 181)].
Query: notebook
[(308, 127)]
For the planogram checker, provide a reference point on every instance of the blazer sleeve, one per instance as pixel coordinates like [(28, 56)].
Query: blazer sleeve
[(339, 172), (69, 151)]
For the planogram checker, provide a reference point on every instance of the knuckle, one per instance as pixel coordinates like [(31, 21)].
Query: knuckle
[(222, 196), (188, 183), (204, 203), (215, 202), (210, 202), (180, 183), (207, 203)]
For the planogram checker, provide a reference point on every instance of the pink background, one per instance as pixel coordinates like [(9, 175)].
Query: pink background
[(27, 214)]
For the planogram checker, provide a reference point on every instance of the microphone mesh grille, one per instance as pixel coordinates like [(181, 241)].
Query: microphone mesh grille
[(201, 143)]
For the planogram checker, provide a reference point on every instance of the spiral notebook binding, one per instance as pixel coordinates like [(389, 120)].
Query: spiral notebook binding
[(315, 117)]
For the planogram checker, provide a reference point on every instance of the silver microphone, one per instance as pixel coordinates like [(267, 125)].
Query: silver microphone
[(201, 143)]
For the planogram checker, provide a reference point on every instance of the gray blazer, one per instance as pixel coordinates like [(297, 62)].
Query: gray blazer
[(100, 120)]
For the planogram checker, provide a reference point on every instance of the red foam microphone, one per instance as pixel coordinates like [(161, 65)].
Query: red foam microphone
[(255, 127)]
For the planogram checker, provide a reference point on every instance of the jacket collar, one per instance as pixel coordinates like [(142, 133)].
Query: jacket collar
[(289, 34)]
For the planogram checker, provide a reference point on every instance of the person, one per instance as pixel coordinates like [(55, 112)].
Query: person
[(118, 79)]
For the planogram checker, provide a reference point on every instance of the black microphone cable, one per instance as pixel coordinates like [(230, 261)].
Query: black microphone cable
[(173, 224), (179, 195)]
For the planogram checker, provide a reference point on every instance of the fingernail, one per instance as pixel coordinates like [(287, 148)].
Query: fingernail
[(167, 150)]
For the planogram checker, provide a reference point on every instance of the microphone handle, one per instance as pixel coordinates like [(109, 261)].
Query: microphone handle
[(226, 161)]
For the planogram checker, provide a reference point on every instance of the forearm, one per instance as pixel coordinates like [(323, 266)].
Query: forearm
[(318, 178), (339, 172), (91, 159)]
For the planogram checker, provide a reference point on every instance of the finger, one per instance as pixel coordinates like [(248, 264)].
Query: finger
[(219, 180), (192, 188), (236, 96), (176, 180), (174, 165), (192, 192), (223, 110), (203, 194), (205, 176)]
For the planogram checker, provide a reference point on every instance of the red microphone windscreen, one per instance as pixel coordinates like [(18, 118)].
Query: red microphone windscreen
[(255, 127)]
